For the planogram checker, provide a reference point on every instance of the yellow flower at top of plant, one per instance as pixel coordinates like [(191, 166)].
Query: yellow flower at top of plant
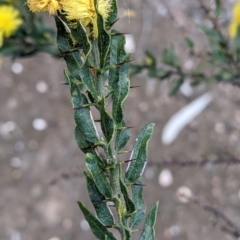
[(235, 23), (52, 6), (84, 11), (10, 21)]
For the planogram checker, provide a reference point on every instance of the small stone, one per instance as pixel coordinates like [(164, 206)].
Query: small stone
[(16, 174), (183, 193), (143, 106), (16, 236), (130, 43), (16, 162), (165, 178), (54, 238), (17, 68), (19, 146), (84, 225), (33, 144), (149, 173), (41, 87), (67, 224), (219, 128), (39, 124), (174, 230)]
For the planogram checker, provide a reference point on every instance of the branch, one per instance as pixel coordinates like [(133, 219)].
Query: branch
[(231, 227), (192, 163)]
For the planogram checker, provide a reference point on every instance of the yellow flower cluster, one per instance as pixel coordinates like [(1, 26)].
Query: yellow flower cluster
[(9, 21), (235, 23), (75, 10)]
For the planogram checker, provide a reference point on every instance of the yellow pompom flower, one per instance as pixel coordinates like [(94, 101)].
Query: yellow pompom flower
[(52, 6), (10, 21), (235, 23), (85, 12)]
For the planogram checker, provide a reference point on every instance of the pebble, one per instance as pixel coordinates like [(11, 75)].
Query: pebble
[(130, 45), (54, 238), (19, 146), (84, 225), (165, 178), (184, 191), (42, 87), (39, 124), (17, 68), (16, 162), (149, 173), (16, 236), (67, 224)]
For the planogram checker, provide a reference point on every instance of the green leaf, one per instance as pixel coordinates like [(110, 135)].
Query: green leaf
[(218, 8), (70, 54), (149, 232), (107, 123), (169, 57), (73, 59), (140, 206), (94, 166), (82, 115), (150, 60), (176, 86), (117, 56), (104, 214), (96, 226), (139, 154), (82, 143), (129, 203), (189, 42), (119, 95), (122, 136), (103, 41), (112, 16), (80, 35)]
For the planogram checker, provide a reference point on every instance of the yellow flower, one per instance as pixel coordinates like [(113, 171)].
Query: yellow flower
[(233, 27), (9, 21), (84, 11), (52, 6)]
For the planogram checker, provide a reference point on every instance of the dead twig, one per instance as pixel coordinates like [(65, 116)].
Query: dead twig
[(192, 163), (231, 228)]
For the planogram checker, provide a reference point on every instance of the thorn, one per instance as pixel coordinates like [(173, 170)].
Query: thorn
[(97, 120), (135, 86), (62, 54), (122, 152), (66, 83), (99, 202), (127, 161), (119, 64), (79, 107), (127, 127), (119, 34), (138, 184), (91, 146), (114, 22)]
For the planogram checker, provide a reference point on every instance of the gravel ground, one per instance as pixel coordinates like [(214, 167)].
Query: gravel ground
[(40, 175)]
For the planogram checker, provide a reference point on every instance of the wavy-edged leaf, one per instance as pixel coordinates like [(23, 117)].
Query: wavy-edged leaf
[(104, 214), (96, 226), (80, 35), (129, 203), (148, 232), (70, 54), (140, 206), (82, 115), (122, 136), (107, 123), (120, 93), (104, 41), (112, 16), (94, 166), (140, 150)]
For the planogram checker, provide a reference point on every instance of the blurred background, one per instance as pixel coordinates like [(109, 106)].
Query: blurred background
[(40, 173)]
